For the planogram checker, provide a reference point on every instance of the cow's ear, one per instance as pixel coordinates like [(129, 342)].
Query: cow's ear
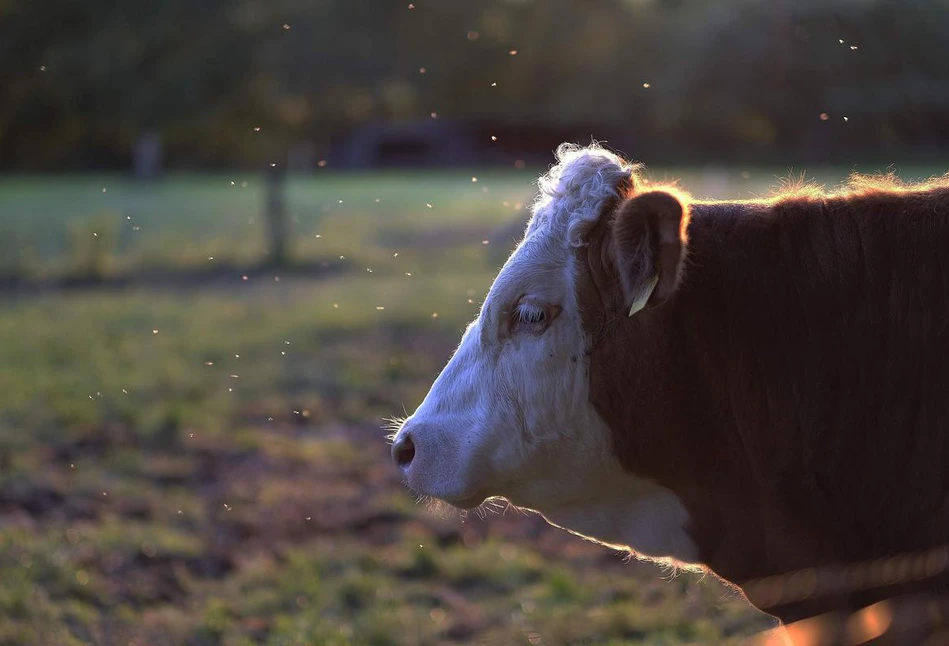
[(648, 247)]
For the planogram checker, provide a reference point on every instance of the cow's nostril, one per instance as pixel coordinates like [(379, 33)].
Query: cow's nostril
[(403, 450)]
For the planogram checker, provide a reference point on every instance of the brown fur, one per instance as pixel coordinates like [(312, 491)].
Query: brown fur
[(793, 388)]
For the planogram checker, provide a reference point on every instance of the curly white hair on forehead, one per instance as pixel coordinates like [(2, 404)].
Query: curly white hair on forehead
[(575, 191)]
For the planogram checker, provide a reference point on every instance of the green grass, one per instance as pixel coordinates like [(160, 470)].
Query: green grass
[(205, 464), (61, 225), (186, 220)]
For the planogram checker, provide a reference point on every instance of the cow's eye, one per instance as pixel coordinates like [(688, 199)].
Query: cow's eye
[(530, 314), (533, 317)]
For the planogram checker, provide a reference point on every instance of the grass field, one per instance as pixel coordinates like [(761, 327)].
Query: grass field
[(205, 463)]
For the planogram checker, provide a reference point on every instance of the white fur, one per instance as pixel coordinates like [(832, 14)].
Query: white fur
[(573, 192), (512, 416)]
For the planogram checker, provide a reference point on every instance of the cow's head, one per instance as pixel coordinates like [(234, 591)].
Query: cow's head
[(511, 413)]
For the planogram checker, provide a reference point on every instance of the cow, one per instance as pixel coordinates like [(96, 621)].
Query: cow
[(756, 388)]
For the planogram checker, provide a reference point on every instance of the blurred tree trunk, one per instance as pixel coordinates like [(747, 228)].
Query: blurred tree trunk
[(276, 214), (146, 158)]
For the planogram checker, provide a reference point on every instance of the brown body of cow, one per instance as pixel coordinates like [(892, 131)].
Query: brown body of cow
[(796, 365)]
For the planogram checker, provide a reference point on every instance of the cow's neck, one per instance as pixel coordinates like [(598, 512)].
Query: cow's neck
[(807, 369), (746, 393), (666, 427), (626, 512)]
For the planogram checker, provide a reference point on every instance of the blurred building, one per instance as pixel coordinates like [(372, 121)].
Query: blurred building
[(439, 143)]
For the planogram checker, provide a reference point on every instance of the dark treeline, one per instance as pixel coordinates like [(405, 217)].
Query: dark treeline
[(667, 80)]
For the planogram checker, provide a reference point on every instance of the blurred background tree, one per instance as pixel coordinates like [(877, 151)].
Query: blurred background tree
[(671, 80)]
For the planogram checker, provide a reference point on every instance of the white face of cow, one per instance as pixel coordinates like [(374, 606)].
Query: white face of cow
[(510, 414)]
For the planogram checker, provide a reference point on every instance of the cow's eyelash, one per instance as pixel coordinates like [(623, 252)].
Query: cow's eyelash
[(531, 314)]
